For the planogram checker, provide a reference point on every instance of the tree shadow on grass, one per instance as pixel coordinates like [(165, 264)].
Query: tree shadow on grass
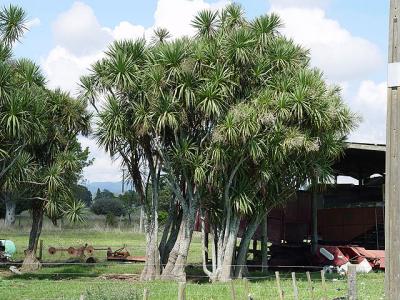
[(58, 273)]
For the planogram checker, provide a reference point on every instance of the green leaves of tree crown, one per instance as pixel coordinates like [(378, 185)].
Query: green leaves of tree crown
[(236, 91), (40, 155), (236, 115)]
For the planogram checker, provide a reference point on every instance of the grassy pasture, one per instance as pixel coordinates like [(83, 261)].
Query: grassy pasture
[(71, 281)]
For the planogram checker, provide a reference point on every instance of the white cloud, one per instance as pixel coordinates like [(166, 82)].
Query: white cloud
[(80, 39), (299, 3), (372, 95), (126, 30), (370, 103), (103, 168), (32, 23), (341, 55), (64, 68), (176, 15), (79, 31)]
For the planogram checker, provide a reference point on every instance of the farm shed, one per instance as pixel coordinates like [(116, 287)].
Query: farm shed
[(341, 214)]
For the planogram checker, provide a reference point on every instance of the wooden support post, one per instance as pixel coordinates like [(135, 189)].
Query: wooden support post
[(246, 288), (206, 245), (182, 291), (323, 284), (145, 294), (40, 249), (233, 290), (310, 285), (314, 225), (392, 190), (264, 244), (352, 282), (254, 248), (278, 284), (295, 290)]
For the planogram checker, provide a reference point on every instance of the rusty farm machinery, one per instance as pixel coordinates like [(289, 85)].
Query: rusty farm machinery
[(87, 252)]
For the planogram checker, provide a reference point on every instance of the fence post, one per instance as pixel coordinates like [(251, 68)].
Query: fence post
[(295, 290), (40, 249), (310, 286), (278, 283), (246, 288), (145, 294), (352, 282), (323, 283), (233, 290), (182, 291)]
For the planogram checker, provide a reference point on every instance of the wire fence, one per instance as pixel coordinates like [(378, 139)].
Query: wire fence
[(88, 280), (236, 290), (280, 285)]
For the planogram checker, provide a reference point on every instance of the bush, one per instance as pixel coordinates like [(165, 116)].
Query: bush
[(162, 216), (110, 219), (105, 206)]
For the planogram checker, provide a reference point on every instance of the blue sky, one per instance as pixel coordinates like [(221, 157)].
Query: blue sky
[(348, 41)]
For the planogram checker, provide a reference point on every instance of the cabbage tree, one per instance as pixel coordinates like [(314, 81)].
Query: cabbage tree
[(234, 117)]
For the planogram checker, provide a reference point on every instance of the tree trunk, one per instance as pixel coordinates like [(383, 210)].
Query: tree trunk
[(167, 227), (141, 219), (175, 267), (9, 219), (204, 251), (229, 250), (30, 262), (151, 269), (241, 258), (171, 239), (37, 222)]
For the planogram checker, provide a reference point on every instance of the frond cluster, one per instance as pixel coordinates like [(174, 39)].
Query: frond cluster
[(40, 157), (235, 107)]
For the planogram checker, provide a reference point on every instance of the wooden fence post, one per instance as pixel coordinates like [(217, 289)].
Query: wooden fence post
[(310, 285), (40, 249), (295, 290), (233, 290), (278, 283), (246, 288), (352, 282), (145, 294), (182, 291), (323, 284)]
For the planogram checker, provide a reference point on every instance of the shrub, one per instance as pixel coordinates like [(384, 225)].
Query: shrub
[(104, 206), (110, 219), (162, 216)]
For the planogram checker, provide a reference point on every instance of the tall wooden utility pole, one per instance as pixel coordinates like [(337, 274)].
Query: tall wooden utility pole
[(392, 186)]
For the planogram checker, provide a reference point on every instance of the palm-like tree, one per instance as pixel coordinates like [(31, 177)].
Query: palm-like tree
[(40, 157), (235, 118)]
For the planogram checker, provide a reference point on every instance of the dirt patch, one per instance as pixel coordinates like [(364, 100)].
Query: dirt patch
[(125, 277)]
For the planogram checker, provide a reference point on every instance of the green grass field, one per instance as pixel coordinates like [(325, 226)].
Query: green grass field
[(72, 281)]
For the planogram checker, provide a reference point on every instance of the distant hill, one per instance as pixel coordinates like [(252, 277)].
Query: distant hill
[(113, 187)]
